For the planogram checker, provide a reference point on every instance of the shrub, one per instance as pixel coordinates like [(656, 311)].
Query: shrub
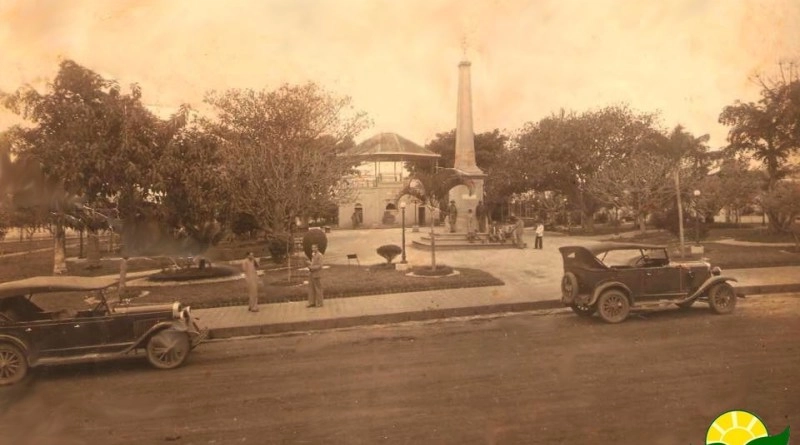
[(668, 221), (389, 252), (279, 245), (314, 236)]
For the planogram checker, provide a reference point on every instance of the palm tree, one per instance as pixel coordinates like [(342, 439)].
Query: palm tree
[(432, 190)]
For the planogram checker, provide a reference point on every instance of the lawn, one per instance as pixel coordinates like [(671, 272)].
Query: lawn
[(730, 256), (339, 281)]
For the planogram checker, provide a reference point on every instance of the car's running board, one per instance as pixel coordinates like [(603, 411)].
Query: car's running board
[(87, 358)]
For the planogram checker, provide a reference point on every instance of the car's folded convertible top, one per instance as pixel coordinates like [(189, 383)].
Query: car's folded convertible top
[(55, 284)]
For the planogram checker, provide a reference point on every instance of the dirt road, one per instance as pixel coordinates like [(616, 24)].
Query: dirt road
[(523, 379)]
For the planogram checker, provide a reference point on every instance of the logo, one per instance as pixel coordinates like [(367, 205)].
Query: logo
[(742, 428)]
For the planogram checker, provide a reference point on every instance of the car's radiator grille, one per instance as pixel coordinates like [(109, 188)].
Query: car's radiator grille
[(141, 326)]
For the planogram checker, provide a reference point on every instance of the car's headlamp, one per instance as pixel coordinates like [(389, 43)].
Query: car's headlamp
[(716, 271)]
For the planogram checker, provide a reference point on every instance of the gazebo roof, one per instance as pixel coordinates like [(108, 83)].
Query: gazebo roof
[(390, 147)]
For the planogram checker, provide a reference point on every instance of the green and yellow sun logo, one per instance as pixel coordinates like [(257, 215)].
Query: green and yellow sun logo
[(742, 428)]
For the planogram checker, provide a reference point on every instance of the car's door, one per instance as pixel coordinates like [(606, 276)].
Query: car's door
[(660, 279), (82, 334)]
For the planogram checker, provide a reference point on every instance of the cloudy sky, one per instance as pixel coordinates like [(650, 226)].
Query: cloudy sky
[(398, 59)]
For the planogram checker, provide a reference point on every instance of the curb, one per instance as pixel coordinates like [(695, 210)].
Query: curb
[(365, 320), (435, 314)]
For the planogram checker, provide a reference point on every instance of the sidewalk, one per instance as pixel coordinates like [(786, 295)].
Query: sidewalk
[(417, 306)]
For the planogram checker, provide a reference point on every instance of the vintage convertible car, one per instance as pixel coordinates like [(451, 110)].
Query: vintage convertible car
[(31, 336), (613, 278)]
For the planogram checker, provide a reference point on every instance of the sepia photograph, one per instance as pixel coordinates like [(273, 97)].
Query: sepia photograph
[(399, 222)]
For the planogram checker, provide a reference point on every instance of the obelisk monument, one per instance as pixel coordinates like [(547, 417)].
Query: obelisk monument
[(466, 197)]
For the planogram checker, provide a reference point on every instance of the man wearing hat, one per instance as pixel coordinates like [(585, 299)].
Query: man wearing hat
[(452, 214)]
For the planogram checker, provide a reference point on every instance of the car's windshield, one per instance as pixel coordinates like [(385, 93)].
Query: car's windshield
[(614, 258), (633, 257)]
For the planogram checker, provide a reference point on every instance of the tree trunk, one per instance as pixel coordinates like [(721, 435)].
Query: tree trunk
[(93, 249), (433, 245), (59, 249), (642, 220)]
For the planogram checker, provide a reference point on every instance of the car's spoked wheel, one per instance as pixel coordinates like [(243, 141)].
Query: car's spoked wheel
[(569, 286), (168, 349), (613, 306), (13, 365), (722, 298), (583, 310)]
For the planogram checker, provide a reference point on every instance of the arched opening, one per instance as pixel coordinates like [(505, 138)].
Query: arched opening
[(358, 216), (390, 214)]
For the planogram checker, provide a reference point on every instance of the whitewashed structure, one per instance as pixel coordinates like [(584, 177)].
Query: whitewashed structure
[(381, 176)]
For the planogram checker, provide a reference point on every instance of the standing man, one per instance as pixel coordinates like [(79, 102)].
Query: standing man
[(519, 227), (539, 235), (250, 266), (452, 214), (480, 213), (315, 278)]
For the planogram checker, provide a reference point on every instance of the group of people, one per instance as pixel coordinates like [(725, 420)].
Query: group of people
[(495, 233), (315, 295)]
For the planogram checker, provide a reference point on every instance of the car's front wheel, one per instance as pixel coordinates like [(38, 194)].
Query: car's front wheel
[(13, 365), (613, 306), (722, 298), (168, 349)]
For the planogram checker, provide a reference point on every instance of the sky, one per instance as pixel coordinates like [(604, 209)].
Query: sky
[(398, 60)]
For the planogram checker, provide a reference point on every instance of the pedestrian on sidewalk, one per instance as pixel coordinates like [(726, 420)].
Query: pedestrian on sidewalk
[(315, 278), (539, 235), (250, 266)]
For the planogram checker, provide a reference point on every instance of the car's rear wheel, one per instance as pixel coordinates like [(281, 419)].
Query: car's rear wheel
[(583, 310), (722, 298), (168, 349), (613, 306), (13, 365)]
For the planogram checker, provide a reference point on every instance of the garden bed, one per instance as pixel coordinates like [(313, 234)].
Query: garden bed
[(339, 281)]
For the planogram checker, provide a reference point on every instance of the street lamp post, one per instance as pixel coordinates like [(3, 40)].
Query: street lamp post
[(403, 219), (696, 194)]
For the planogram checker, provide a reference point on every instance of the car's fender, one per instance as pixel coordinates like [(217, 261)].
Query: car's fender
[(708, 284), (609, 285), (15, 341), (177, 325)]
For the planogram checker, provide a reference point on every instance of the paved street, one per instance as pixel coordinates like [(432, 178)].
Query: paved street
[(529, 378)]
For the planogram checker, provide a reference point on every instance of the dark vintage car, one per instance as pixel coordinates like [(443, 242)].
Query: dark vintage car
[(613, 278), (31, 336)]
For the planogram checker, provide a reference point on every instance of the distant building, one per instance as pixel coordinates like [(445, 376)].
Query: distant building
[(381, 176)]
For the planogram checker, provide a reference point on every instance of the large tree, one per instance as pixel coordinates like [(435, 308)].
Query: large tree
[(282, 149), (563, 152), (768, 130), (194, 182), (92, 139), (641, 182)]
